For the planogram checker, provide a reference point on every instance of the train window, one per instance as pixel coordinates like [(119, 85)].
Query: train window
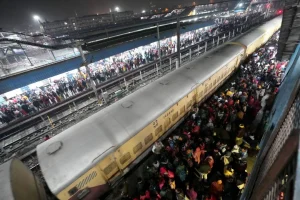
[(107, 170), (167, 122), (125, 158), (175, 115), (182, 110), (138, 147), (73, 191), (148, 138), (158, 130)]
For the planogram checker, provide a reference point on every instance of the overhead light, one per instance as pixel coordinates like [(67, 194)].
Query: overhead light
[(36, 17)]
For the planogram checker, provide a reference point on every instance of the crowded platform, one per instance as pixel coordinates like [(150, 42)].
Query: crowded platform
[(64, 86), (211, 154)]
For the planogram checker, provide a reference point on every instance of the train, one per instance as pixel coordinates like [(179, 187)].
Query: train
[(17, 182), (84, 161)]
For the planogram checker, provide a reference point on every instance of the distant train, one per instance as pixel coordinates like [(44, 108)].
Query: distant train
[(82, 162), (17, 182)]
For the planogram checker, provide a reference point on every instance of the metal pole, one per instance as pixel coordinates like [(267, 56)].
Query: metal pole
[(198, 48), (74, 105), (80, 74), (88, 72), (51, 52), (213, 41), (205, 47), (229, 35), (178, 41), (105, 102), (218, 41), (26, 55), (125, 82), (179, 58), (50, 122), (224, 37), (170, 64), (190, 54), (158, 44), (141, 75)]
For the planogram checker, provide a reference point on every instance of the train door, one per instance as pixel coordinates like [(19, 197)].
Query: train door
[(200, 93), (167, 123), (206, 88)]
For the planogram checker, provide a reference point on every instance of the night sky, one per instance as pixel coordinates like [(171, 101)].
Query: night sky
[(17, 14)]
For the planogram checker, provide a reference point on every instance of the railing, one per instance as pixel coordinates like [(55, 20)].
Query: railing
[(70, 112)]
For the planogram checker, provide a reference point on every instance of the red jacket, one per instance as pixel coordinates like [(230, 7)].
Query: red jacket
[(146, 196)]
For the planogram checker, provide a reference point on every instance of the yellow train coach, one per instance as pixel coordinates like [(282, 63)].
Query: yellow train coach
[(81, 162)]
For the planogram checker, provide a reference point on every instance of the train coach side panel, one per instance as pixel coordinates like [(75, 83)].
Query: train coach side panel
[(134, 147), (89, 186)]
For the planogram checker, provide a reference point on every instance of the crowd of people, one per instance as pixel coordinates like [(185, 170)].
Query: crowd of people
[(34, 100), (207, 156), (37, 99)]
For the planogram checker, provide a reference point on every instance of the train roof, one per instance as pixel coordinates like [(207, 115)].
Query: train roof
[(253, 34), (67, 156)]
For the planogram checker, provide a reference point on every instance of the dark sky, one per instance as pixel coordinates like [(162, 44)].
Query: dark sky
[(18, 13)]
